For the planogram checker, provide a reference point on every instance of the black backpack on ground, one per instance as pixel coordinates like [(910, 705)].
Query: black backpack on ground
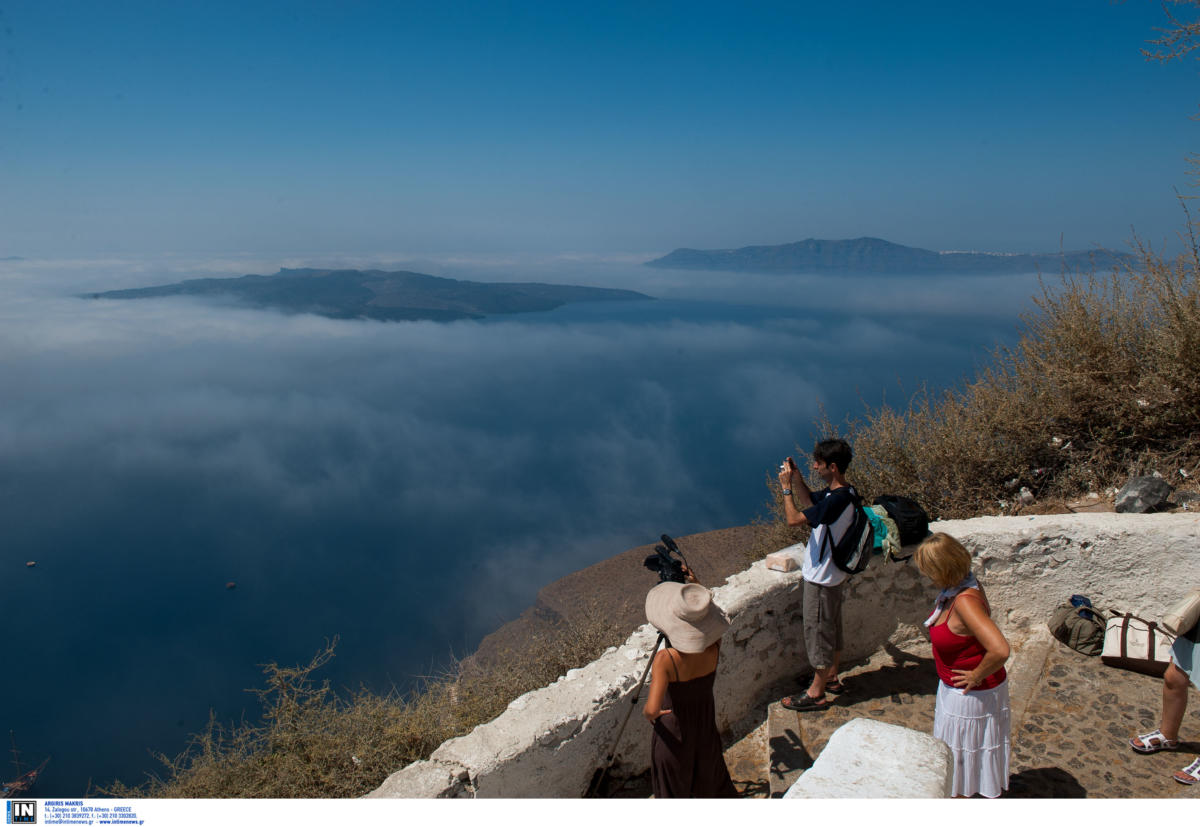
[(853, 551), (909, 517)]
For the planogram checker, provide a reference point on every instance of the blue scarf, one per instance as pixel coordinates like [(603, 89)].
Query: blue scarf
[(946, 595)]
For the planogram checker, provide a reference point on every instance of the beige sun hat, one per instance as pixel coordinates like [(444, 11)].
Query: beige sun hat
[(686, 614)]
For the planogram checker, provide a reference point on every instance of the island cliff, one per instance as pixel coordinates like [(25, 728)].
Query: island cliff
[(380, 295), (867, 256)]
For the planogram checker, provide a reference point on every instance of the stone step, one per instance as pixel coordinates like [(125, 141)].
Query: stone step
[(1025, 670), (787, 757), (896, 685), (871, 759), (891, 686)]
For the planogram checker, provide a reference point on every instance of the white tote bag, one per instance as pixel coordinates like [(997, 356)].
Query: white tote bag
[(1136, 644)]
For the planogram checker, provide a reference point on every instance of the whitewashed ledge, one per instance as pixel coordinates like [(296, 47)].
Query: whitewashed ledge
[(871, 759), (548, 742)]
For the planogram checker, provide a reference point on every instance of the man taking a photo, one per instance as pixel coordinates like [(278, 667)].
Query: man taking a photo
[(825, 511)]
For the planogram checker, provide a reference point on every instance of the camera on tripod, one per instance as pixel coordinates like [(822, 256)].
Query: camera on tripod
[(664, 562), (670, 564)]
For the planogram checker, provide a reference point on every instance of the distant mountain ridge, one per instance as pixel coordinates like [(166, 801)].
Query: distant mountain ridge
[(376, 294), (876, 256)]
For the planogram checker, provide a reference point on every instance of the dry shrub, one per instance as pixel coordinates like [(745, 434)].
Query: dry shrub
[(1104, 382), (314, 743)]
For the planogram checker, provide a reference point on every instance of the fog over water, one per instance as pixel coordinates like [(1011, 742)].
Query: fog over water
[(405, 486)]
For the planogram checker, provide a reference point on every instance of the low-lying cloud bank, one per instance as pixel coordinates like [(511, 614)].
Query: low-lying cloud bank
[(407, 486)]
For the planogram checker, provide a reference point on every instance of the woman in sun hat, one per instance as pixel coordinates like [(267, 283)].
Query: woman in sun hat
[(686, 759)]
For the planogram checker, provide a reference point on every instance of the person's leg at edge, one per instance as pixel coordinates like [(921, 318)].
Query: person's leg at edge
[(1175, 697), (1175, 692)]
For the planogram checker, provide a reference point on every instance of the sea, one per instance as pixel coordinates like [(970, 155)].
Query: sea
[(189, 491)]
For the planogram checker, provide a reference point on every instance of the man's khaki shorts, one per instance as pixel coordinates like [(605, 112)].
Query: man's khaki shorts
[(822, 623)]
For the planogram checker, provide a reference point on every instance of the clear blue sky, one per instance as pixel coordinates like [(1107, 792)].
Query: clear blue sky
[(306, 127)]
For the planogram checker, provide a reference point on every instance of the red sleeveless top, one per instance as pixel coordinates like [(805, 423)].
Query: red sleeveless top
[(951, 651)]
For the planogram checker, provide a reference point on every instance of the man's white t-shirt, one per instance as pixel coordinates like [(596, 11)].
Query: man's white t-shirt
[(830, 511)]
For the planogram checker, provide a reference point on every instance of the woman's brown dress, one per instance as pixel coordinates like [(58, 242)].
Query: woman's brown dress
[(686, 760)]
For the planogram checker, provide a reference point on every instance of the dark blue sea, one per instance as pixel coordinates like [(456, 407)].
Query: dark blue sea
[(407, 487)]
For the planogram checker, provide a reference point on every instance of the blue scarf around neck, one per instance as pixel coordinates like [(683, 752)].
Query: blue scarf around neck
[(948, 594)]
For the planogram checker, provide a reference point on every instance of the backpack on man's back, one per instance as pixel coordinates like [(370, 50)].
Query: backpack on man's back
[(852, 552)]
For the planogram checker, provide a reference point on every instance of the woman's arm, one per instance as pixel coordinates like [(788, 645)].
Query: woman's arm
[(658, 687), (971, 611)]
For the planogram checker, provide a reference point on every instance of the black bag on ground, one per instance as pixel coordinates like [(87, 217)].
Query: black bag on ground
[(1080, 627), (853, 551), (908, 515)]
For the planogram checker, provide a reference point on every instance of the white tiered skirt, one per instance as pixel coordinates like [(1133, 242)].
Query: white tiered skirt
[(976, 727)]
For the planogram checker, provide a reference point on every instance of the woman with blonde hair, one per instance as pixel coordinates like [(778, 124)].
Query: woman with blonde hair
[(972, 714)]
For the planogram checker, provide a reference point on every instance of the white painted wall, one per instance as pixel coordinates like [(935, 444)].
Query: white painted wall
[(549, 742)]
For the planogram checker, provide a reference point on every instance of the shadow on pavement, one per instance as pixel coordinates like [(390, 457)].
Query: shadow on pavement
[(908, 674), (1044, 782), (788, 756)]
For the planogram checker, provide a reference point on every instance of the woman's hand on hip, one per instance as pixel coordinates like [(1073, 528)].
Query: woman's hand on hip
[(966, 679)]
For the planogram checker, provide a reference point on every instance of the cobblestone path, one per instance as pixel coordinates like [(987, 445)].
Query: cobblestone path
[(1072, 741)]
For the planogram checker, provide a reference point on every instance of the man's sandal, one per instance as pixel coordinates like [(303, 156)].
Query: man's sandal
[(1152, 742), (1189, 774), (835, 686), (805, 703)]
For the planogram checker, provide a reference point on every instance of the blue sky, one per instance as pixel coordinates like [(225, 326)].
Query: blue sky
[(542, 128)]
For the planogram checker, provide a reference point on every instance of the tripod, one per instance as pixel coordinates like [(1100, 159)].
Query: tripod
[(597, 783), (668, 569)]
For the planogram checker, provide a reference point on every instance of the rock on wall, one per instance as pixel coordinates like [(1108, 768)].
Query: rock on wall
[(549, 742)]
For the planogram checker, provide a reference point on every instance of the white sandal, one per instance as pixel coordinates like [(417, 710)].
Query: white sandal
[(1192, 771), (1152, 742)]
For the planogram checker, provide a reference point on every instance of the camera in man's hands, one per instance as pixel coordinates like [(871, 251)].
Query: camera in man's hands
[(664, 563)]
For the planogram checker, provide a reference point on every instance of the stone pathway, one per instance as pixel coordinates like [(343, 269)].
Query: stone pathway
[(1072, 718)]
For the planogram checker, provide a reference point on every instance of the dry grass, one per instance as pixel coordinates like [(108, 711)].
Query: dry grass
[(313, 743), (1103, 384)]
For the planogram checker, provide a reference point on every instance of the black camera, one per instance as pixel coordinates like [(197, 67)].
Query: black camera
[(664, 563)]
